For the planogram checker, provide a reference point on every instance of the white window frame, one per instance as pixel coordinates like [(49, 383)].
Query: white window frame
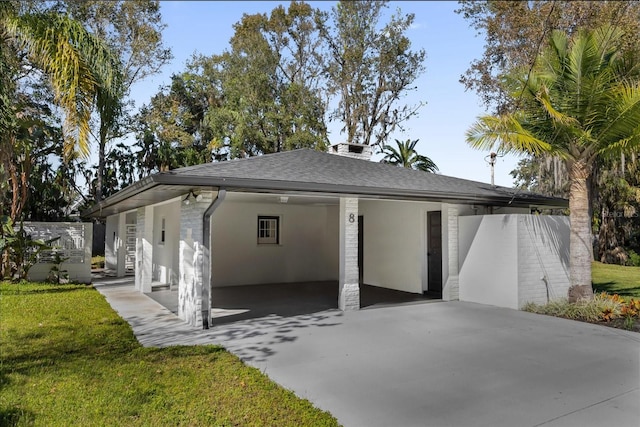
[(268, 230)]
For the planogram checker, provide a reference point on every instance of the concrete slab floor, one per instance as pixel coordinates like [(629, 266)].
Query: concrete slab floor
[(426, 364), (234, 303)]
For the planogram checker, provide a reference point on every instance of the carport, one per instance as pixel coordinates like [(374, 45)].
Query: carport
[(298, 217)]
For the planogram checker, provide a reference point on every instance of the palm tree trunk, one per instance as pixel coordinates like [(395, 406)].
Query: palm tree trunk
[(580, 256), (102, 147)]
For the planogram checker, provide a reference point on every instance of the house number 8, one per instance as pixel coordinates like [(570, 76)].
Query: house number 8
[(352, 218)]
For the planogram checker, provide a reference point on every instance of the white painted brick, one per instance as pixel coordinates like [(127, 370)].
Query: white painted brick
[(451, 288), (542, 252), (191, 263), (349, 289)]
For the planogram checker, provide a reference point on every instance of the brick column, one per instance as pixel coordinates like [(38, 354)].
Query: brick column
[(144, 249), (451, 289), (349, 293), (191, 261), (120, 247)]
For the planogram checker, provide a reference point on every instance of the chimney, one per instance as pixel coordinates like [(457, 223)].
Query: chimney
[(355, 151)]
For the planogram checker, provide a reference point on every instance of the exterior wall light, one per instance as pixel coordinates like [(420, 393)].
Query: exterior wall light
[(192, 196)]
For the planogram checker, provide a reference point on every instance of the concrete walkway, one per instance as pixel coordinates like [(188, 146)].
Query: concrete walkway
[(425, 364)]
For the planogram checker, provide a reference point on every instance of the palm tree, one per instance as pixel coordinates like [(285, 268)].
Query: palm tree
[(581, 103), (76, 64), (407, 156)]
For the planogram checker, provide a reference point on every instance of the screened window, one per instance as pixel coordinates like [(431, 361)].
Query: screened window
[(268, 230)]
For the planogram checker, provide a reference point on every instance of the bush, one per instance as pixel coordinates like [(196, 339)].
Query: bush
[(602, 308), (634, 258)]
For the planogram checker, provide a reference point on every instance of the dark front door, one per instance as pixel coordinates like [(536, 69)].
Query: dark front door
[(360, 249), (434, 251)]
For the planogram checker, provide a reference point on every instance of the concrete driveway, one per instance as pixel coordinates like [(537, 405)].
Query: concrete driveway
[(427, 364)]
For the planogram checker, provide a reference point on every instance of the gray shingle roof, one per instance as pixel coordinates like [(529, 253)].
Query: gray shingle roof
[(314, 171)]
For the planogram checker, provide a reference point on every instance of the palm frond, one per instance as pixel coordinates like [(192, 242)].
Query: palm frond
[(623, 118), (504, 133), (77, 64), (559, 118)]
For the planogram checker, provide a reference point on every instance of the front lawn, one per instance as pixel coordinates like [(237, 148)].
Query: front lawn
[(616, 279), (66, 358)]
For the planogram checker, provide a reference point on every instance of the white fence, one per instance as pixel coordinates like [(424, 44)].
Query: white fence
[(74, 244)]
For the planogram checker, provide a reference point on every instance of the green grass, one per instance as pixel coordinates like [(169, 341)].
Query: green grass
[(616, 279), (66, 358)]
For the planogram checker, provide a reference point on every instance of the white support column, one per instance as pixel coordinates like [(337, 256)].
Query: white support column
[(191, 259), (120, 246), (144, 249), (450, 291), (140, 220), (147, 271), (349, 292)]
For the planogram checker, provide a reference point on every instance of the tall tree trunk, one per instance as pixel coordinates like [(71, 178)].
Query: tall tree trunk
[(102, 147), (580, 245)]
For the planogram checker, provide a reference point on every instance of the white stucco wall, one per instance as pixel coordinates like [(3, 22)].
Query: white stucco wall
[(308, 249), (111, 243), (508, 260), (393, 244), (488, 259), (166, 255), (331, 237), (395, 238)]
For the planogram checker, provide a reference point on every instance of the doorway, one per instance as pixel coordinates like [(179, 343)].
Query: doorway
[(434, 253)]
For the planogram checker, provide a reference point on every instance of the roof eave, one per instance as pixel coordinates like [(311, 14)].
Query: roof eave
[(261, 185), (127, 192)]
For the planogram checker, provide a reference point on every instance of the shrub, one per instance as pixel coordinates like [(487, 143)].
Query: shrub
[(602, 308), (634, 258), (19, 250)]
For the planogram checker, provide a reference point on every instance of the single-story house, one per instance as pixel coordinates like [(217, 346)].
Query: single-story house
[(305, 216)]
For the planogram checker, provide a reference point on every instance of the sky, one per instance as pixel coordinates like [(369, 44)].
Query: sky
[(205, 27)]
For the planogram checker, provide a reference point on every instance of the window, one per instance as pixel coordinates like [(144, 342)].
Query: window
[(162, 231), (268, 230)]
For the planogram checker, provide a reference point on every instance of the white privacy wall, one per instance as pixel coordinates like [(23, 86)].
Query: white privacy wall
[(74, 243), (543, 258), (489, 259), (508, 260), (308, 249)]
